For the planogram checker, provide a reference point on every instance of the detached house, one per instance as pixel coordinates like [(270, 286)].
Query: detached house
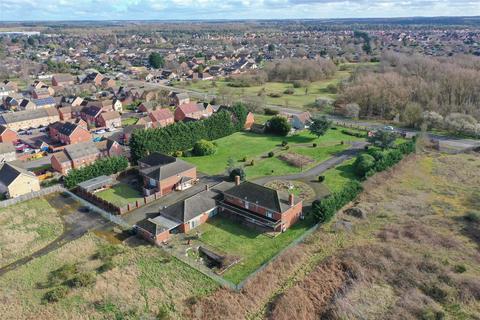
[(161, 117), (69, 133), (192, 110), (16, 181), (62, 80), (110, 119), (164, 174), (178, 98), (301, 121)]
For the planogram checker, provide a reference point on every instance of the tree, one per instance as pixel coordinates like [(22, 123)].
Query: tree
[(237, 172), (383, 138), (271, 47), (412, 115), (432, 119), (156, 60), (319, 126), (352, 110), (363, 164), (278, 125), (204, 148)]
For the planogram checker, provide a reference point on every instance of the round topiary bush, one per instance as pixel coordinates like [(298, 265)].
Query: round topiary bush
[(178, 154), (314, 145), (204, 148), (284, 143), (271, 154), (237, 172), (289, 91), (321, 178)]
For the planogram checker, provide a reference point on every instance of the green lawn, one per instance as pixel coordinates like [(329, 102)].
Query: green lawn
[(120, 194), (129, 121), (252, 246), (336, 178), (256, 146)]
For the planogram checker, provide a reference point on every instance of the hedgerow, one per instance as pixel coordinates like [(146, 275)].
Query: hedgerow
[(105, 166)]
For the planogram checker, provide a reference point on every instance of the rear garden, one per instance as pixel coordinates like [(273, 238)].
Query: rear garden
[(120, 194)]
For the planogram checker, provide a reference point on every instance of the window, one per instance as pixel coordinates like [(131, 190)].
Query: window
[(269, 214)]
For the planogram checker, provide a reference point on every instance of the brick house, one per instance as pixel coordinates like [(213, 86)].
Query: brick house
[(69, 133), (65, 113), (161, 117), (90, 115), (178, 98), (75, 156), (109, 148), (110, 119), (7, 135), (164, 174), (264, 207), (62, 80), (192, 110), (29, 119)]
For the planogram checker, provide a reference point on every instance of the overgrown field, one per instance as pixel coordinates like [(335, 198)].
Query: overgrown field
[(128, 283), (414, 256), (27, 227)]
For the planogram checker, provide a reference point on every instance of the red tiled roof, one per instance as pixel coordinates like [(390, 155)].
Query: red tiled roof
[(161, 114), (191, 107)]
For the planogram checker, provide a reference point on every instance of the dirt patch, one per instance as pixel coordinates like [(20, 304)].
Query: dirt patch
[(296, 160), (300, 189)]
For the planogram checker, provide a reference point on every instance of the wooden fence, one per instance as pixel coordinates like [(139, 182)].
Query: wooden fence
[(32, 195)]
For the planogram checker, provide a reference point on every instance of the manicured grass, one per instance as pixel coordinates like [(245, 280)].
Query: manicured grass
[(120, 194), (256, 146), (336, 178), (252, 246), (261, 118), (279, 167), (27, 227), (129, 121)]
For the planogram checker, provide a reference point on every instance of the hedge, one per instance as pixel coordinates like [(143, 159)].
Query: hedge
[(325, 209), (182, 136), (105, 166), (354, 134)]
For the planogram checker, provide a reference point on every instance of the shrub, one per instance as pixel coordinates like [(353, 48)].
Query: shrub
[(237, 172), (460, 268), (278, 125), (289, 91), (252, 163), (287, 147), (204, 148), (275, 94), (108, 265), (300, 83), (326, 208), (108, 251), (321, 178), (244, 159), (383, 139), (178, 154), (271, 154), (63, 273), (270, 112), (84, 279), (314, 145), (363, 164), (319, 126), (284, 143), (472, 216), (56, 294)]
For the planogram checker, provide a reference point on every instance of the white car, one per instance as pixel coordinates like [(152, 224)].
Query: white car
[(101, 131), (388, 128)]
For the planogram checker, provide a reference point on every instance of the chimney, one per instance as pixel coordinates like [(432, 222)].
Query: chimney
[(291, 199), (237, 180), (207, 187)]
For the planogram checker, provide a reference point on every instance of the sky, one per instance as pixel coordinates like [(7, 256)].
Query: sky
[(25, 10)]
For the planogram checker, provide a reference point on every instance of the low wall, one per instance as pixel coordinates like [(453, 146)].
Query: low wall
[(32, 195)]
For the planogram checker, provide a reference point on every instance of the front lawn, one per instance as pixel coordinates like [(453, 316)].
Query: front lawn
[(120, 194), (252, 246), (129, 121), (336, 178), (255, 147)]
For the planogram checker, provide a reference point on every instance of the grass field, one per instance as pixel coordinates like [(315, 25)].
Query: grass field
[(252, 246), (256, 146), (27, 227), (144, 283), (120, 194)]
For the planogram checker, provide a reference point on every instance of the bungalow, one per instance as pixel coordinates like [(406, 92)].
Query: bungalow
[(62, 80), (301, 121), (7, 135), (192, 110), (75, 156), (110, 119), (164, 174), (161, 117), (16, 181), (7, 152), (69, 133)]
